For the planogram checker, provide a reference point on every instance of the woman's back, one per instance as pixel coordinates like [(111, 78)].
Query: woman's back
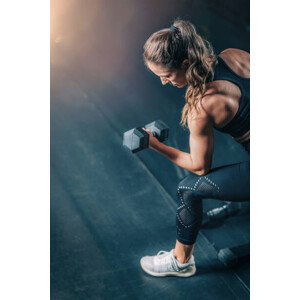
[(223, 97)]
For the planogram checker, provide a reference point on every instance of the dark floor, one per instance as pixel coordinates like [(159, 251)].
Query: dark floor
[(108, 206)]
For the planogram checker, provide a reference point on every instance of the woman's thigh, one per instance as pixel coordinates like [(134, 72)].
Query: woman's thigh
[(229, 183)]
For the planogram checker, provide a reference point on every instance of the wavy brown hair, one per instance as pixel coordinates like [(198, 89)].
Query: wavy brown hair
[(171, 46)]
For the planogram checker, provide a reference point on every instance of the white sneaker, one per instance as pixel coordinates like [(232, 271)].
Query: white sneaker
[(165, 264)]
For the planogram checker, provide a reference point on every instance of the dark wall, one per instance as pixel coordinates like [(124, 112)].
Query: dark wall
[(105, 38)]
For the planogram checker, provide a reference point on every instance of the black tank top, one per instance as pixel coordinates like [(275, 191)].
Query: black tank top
[(240, 124)]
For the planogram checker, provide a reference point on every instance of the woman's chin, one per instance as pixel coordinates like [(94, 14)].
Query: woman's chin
[(180, 86)]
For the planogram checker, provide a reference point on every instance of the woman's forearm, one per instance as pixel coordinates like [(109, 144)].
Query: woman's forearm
[(180, 158)]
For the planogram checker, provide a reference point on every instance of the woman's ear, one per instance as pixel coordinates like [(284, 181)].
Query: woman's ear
[(185, 64)]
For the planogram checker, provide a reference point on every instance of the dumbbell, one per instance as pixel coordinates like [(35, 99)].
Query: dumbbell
[(137, 139), (230, 257)]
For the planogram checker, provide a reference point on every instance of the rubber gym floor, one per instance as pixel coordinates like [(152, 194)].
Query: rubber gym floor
[(110, 207)]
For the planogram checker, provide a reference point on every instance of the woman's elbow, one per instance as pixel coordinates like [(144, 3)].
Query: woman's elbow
[(201, 172), (201, 167)]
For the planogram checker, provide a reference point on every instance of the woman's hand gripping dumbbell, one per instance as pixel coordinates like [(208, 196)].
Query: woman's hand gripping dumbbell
[(140, 138)]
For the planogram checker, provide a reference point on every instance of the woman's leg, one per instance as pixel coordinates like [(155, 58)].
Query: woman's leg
[(229, 208), (229, 183)]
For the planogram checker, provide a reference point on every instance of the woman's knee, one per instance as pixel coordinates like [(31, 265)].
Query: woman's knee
[(189, 182), (200, 186)]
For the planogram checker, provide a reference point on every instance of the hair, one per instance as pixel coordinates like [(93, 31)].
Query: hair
[(171, 46)]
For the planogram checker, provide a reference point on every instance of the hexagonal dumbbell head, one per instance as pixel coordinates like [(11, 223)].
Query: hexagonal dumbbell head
[(159, 129), (136, 139)]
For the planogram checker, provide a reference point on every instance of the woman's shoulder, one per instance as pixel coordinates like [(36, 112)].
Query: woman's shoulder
[(235, 52), (198, 112), (237, 60), (205, 107), (217, 107)]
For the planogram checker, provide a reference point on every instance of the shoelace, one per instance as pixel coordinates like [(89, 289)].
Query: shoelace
[(169, 258)]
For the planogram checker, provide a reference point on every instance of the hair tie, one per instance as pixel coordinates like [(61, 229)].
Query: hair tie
[(174, 29)]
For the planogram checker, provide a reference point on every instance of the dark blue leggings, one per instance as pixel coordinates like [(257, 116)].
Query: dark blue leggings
[(228, 183)]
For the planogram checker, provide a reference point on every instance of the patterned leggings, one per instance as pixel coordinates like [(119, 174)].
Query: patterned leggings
[(228, 183)]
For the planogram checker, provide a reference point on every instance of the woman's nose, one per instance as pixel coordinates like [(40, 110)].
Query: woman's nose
[(164, 81)]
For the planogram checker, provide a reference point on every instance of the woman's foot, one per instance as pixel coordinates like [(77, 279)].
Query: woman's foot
[(166, 264)]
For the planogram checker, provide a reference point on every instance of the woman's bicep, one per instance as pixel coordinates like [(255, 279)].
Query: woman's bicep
[(201, 143)]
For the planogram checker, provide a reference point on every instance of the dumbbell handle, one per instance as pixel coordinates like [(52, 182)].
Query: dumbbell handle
[(159, 126), (153, 133)]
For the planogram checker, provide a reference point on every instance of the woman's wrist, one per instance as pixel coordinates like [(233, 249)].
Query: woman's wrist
[(156, 146)]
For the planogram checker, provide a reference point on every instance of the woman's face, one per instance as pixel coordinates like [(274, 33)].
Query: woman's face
[(176, 77)]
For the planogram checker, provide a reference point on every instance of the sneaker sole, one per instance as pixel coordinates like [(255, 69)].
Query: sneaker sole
[(190, 271)]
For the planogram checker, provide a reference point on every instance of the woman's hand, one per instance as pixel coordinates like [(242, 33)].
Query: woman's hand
[(153, 141)]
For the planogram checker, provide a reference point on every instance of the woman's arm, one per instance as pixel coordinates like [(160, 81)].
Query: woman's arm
[(199, 159)]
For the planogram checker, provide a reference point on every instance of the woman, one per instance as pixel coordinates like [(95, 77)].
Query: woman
[(217, 96)]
